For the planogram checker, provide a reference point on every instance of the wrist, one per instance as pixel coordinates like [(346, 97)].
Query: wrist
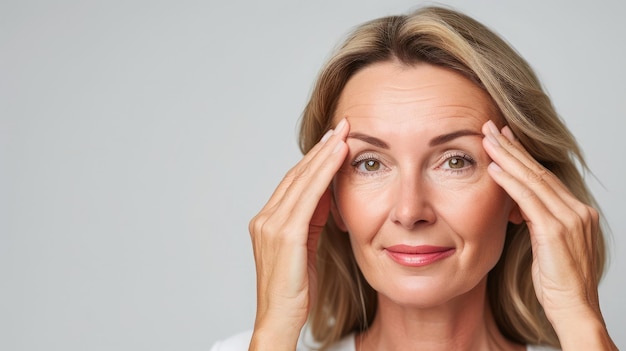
[(275, 334), (584, 331), (273, 340)]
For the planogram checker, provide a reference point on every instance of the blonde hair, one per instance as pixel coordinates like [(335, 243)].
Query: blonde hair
[(345, 302)]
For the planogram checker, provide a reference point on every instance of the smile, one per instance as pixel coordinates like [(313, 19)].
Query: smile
[(418, 256)]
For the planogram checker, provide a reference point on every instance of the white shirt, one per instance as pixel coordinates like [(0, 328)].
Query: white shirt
[(241, 341)]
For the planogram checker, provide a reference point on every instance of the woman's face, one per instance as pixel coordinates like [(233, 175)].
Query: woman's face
[(425, 219)]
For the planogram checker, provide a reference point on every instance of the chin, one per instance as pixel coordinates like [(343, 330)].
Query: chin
[(426, 292)]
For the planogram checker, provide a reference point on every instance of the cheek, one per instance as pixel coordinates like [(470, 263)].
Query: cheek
[(482, 225), (362, 206)]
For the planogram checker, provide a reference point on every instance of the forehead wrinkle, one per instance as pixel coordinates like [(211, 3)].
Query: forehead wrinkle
[(398, 93), (364, 105), (471, 114)]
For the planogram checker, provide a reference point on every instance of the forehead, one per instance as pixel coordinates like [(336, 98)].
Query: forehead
[(394, 93)]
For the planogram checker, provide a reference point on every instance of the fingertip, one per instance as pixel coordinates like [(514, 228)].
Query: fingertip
[(491, 131), (485, 128), (341, 126), (326, 136), (494, 167), (492, 128), (488, 145), (340, 145), (508, 133)]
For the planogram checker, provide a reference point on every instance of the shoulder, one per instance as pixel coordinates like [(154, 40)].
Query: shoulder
[(540, 348), (241, 341), (345, 344), (237, 342)]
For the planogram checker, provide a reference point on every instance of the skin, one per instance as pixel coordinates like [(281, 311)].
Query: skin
[(418, 189), (417, 196)]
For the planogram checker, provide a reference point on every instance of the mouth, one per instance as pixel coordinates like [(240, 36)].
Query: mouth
[(418, 256)]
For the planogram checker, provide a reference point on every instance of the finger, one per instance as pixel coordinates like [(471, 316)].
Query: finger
[(533, 208), (562, 228), (563, 191), (590, 215), (536, 173), (279, 215), (517, 150), (542, 204), (537, 181), (320, 215), (279, 192), (287, 180), (308, 185), (507, 141)]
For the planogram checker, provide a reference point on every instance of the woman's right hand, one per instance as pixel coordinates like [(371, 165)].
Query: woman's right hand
[(284, 239)]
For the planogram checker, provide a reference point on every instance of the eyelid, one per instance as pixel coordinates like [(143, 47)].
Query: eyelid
[(360, 160), (456, 154), (365, 156), (449, 154)]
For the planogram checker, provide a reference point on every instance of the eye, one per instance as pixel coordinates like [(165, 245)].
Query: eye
[(368, 164), (457, 162)]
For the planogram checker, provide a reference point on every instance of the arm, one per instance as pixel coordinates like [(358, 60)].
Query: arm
[(284, 239), (563, 234)]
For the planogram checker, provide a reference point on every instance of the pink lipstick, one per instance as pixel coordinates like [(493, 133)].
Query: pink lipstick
[(418, 256)]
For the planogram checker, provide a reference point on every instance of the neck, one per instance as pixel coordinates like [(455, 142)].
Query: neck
[(464, 323)]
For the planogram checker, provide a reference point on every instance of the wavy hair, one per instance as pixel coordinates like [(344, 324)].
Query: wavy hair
[(345, 302)]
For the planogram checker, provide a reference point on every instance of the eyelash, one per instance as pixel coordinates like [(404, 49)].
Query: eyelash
[(460, 155), (362, 158), (359, 160)]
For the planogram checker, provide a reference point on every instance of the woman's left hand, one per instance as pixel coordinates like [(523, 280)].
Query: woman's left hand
[(563, 234)]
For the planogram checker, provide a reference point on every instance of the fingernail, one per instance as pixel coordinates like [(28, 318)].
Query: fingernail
[(340, 126), (508, 133), (338, 147), (326, 136), (494, 166), (493, 128), (493, 131)]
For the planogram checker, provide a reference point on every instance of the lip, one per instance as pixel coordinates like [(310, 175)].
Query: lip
[(418, 256)]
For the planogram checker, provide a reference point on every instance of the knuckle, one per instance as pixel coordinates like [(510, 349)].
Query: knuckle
[(588, 215), (508, 144), (538, 175), (255, 225), (291, 172), (301, 171), (553, 229), (594, 215), (252, 224), (528, 193), (296, 174), (251, 228), (573, 222), (558, 227), (269, 230)]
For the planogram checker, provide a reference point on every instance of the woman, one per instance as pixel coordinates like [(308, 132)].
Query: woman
[(438, 205)]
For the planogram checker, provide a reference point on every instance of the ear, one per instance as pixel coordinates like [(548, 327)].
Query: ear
[(334, 211), (515, 215)]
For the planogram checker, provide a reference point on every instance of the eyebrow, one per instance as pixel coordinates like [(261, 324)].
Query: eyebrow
[(438, 140), (369, 139), (442, 139)]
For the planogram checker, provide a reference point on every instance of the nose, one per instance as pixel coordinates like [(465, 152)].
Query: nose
[(412, 207)]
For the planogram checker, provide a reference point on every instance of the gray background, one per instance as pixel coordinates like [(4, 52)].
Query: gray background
[(137, 138)]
